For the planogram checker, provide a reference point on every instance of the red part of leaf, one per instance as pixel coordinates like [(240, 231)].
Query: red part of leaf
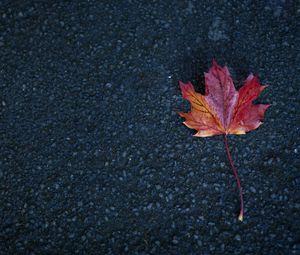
[(220, 93)]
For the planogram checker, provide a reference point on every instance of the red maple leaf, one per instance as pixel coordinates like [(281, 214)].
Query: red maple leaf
[(223, 110)]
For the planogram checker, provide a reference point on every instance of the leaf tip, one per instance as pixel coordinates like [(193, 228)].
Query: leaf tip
[(215, 65), (185, 88)]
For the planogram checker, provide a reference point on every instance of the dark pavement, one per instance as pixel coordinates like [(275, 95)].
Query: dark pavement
[(94, 158)]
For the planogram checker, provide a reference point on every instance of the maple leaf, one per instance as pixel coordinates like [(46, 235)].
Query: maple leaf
[(223, 110)]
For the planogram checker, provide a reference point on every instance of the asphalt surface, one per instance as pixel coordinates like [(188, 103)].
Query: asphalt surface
[(94, 158)]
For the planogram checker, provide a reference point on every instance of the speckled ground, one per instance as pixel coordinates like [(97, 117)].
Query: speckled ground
[(94, 158)]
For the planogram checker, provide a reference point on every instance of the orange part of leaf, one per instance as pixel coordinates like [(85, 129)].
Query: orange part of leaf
[(201, 117), (223, 110)]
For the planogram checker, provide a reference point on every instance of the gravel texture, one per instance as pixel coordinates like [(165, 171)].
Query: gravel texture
[(94, 158)]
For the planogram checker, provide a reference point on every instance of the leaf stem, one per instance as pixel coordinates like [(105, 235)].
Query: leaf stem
[(241, 215)]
